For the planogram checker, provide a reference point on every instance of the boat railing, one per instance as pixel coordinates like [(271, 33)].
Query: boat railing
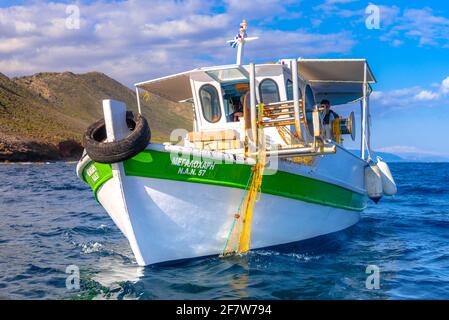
[(289, 118)]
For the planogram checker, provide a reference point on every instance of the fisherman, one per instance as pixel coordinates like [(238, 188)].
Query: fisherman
[(327, 113), (238, 113), (239, 105)]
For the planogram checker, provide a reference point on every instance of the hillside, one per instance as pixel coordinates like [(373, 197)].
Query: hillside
[(43, 117), (406, 156)]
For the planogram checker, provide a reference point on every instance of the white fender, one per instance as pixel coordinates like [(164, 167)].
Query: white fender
[(373, 182), (388, 184)]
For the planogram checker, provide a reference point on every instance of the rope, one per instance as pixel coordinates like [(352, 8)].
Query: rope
[(368, 151), (236, 217), (238, 240), (284, 132)]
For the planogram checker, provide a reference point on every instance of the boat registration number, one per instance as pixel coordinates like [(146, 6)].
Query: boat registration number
[(193, 167)]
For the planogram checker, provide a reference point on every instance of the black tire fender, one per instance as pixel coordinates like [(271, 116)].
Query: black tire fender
[(98, 149)]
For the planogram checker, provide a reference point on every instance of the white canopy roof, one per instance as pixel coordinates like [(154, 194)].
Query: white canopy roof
[(174, 88), (338, 80), (177, 87)]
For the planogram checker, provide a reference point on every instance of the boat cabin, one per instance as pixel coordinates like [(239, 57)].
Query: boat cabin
[(221, 100)]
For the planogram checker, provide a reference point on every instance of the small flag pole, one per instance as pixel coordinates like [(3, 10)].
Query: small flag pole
[(239, 41)]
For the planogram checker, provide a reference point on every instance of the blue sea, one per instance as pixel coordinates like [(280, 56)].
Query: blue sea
[(50, 221)]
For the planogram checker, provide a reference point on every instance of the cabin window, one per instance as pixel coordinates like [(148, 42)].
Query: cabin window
[(289, 88), (269, 91), (309, 104), (210, 103), (226, 75), (310, 99), (234, 99)]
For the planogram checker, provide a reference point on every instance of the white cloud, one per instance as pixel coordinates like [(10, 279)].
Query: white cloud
[(136, 40), (445, 86), (426, 95), (377, 95), (256, 9), (354, 12), (395, 98), (14, 44), (423, 25), (412, 96), (397, 43), (338, 8)]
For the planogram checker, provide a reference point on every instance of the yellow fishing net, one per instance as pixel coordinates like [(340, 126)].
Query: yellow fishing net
[(239, 237)]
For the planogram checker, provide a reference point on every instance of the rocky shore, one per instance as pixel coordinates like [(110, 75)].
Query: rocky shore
[(13, 149)]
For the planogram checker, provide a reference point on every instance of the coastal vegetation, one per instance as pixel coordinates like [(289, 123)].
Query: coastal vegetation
[(43, 117)]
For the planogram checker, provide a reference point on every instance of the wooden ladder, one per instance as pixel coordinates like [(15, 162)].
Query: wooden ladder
[(280, 114)]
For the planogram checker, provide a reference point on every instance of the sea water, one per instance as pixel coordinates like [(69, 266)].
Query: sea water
[(52, 231)]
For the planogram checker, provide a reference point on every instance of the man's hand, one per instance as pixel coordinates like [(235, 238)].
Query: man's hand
[(237, 116)]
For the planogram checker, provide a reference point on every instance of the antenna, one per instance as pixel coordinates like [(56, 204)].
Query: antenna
[(239, 41)]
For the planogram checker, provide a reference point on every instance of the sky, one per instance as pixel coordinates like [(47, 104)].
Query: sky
[(137, 40)]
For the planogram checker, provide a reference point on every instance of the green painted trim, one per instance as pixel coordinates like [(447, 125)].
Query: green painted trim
[(159, 165), (96, 174)]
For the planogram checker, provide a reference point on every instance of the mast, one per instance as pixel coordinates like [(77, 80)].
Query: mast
[(239, 41)]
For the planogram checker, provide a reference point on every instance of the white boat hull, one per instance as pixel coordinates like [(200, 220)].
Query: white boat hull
[(168, 220)]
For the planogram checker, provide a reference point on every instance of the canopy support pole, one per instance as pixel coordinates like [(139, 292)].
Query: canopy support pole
[(295, 84), (138, 100), (252, 86), (363, 116), (368, 126)]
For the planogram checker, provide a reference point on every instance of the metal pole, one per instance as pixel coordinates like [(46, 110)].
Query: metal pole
[(252, 86), (364, 103), (139, 108), (295, 85), (368, 124), (240, 51)]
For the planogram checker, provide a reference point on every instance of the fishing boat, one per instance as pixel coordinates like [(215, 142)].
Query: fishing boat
[(262, 166)]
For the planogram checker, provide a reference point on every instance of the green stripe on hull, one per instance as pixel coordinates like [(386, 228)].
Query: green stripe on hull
[(155, 164), (95, 174), (159, 165)]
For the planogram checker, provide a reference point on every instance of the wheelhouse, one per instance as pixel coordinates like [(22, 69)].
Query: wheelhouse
[(221, 98)]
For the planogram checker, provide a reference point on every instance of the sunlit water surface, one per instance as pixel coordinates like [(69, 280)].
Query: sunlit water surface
[(50, 220)]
